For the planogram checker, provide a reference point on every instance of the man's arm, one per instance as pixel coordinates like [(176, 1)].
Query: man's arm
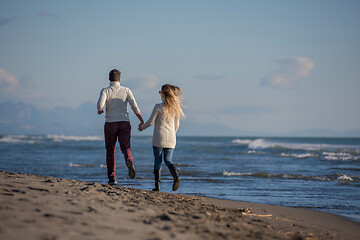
[(101, 101), (134, 107), (140, 118)]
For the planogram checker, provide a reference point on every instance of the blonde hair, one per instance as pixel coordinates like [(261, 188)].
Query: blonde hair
[(173, 101)]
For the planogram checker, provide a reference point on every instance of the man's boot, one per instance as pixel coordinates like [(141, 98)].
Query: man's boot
[(175, 175), (157, 180)]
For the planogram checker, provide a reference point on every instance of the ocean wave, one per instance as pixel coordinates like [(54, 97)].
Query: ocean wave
[(336, 177), (80, 165), (19, 139), (33, 139), (262, 144), (226, 173), (61, 138), (340, 156), (242, 141), (299, 156), (253, 152), (345, 178)]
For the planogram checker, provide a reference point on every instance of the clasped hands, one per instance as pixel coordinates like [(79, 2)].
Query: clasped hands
[(140, 127)]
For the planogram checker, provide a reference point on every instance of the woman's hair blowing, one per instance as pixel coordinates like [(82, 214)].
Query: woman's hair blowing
[(173, 101)]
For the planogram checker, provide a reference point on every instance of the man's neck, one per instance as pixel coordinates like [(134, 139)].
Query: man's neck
[(114, 82)]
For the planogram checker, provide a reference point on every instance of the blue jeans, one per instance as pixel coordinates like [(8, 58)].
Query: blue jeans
[(158, 154)]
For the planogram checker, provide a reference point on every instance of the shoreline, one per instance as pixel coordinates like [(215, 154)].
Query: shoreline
[(308, 218), (38, 207)]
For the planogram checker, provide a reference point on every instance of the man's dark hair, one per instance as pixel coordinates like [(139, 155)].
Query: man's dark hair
[(114, 75)]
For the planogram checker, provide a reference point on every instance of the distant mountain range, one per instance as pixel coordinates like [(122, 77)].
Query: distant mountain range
[(22, 118)]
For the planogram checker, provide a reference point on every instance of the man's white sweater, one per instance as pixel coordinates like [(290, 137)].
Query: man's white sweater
[(116, 98)]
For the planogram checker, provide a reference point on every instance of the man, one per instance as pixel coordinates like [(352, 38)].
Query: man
[(117, 123)]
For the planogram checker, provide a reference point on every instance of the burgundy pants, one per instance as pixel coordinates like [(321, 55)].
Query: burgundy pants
[(116, 131)]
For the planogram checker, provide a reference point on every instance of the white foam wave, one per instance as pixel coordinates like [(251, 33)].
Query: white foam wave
[(321, 178), (253, 152), (85, 165), (61, 138), (254, 144), (345, 178), (226, 173), (19, 139), (28, 139), (259, 174), (339, 156), (261, 143), (242, 141), (264, 144), (339, 177), (299, 156), (80, 165)]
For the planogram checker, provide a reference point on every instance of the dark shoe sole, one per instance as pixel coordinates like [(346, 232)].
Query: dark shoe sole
[(131, 168), (112, 183), (176, 184)]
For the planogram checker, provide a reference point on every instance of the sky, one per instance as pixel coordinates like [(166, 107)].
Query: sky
[(260, 66)]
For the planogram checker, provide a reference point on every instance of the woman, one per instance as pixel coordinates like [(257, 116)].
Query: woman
[(166, 117)]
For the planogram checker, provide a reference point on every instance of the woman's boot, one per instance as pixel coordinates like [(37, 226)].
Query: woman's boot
[(157, 180), (175, 175)]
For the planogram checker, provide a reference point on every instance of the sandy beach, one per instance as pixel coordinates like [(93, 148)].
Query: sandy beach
[(37, 207)]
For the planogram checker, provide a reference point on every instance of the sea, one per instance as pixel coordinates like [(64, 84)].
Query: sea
[(313, 173)]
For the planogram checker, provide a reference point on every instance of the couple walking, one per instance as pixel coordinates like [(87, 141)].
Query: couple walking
[(165, 115)]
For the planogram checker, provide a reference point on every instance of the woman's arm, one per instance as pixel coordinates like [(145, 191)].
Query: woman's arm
[(151, 119)]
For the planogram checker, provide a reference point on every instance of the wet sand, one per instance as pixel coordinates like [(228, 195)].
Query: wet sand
[(37, 207)]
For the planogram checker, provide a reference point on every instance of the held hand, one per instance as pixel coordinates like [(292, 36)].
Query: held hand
[(140, 127), (100, 112)]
